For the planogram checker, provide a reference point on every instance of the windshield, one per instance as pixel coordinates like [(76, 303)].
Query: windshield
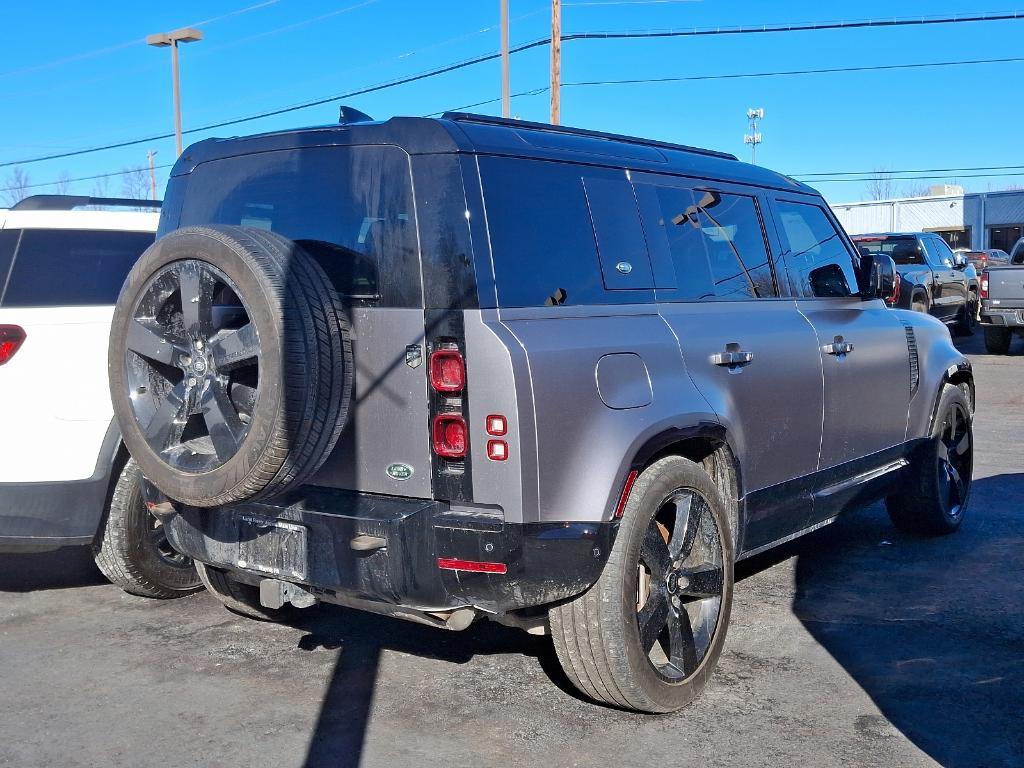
[(904, 249)]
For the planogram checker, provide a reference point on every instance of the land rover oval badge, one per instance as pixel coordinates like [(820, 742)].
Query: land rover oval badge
[(399, 471)]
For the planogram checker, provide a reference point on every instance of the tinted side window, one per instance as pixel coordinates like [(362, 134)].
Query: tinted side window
[(544, 242), (351, 207), (8, 242), (815, 254), (70, 267), (714, 241), (942, 251)]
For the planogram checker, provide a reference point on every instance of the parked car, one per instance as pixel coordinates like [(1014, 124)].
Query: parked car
[(1002, 303), (474, 367), (988, 257), (65, 476), (933, 279), (1017, 253)]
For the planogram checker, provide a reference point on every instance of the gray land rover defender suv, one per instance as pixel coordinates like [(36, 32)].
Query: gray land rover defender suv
[(446, 369)]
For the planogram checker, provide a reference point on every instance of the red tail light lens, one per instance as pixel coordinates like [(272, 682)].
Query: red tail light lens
[(455, 564), (447, 370), (11, 339), (449, 433), (984, 285)]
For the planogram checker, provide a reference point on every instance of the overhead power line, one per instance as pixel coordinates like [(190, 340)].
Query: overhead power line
[(650, 34)]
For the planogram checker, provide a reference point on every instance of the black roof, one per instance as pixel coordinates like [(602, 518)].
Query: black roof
[(460, 132)]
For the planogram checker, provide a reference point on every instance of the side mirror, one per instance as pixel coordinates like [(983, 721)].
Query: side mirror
[(881, 281), (960, 260)]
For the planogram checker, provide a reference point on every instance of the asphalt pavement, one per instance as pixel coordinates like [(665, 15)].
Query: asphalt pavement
[(854, 646)]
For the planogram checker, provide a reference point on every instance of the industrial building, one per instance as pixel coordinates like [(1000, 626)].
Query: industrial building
[(976, 220)]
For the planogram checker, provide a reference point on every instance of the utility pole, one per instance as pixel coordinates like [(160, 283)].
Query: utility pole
[(506, 99), (753, 138), (152, 174), (556, 61), (163, 40)]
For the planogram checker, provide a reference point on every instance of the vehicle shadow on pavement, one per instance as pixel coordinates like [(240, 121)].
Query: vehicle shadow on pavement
[(931, 629), (361, 638), (60, 569)]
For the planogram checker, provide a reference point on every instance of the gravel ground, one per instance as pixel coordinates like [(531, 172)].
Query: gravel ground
[(853, 646)]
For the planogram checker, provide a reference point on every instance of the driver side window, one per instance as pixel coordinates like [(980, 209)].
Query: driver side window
[(815, 254)]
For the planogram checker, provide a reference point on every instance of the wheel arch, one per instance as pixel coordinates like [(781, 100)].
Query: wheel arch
[(709, 445), (112, 460)]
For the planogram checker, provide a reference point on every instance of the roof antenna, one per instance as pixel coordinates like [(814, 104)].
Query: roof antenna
[(348, 115)]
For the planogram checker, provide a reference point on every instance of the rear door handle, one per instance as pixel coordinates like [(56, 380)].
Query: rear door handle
[(838, 347), (732, 358)]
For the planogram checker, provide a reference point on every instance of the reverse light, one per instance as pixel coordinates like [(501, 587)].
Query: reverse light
[(496, 425), (447, 370), (454, 564), (497, 450), (11, 339), (983, 285), (449, 435)]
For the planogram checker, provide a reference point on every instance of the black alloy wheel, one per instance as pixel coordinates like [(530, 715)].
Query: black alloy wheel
[(955, 456), (193, 366), (679, 585)]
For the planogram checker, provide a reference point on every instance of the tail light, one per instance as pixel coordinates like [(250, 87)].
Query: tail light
[(983, 285), (447, 370), (893, 299), (449, 435), (11, 339)]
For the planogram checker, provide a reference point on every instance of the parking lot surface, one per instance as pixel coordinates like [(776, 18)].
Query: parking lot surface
[(852, 646)]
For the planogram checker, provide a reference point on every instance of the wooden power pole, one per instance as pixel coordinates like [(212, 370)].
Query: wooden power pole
[(506, 99), (556, 60)]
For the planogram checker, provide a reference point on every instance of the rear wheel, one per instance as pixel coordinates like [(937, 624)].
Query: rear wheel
[(133, 551), (243, 599), (997, 340), (968, 318), (649, 633), (935, 501)]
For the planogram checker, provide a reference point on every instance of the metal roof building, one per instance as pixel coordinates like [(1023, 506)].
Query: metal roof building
[(977, 220)]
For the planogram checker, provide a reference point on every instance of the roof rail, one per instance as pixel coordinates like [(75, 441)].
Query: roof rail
[(470, 117), (70, 202)]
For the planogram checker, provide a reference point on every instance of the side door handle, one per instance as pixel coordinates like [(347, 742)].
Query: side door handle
[(838, 347), (732, 358)]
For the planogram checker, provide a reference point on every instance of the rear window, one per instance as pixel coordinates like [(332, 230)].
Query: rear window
[(351, 207), (72, 267), (903, 250)]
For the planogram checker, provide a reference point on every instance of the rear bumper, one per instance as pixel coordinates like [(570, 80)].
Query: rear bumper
[(57, 514), (545, 562), (1004, 318)]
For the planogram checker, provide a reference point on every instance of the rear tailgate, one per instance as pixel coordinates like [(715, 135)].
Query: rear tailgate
[(1006, 287), (54, 392)]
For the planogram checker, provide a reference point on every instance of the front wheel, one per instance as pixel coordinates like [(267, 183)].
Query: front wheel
[(934, 501), (649, 633)]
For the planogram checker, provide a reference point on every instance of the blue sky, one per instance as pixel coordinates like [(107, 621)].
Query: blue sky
[(73, 78)]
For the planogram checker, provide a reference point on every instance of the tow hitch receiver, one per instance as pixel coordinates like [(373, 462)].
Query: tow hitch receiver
[(275, 593)]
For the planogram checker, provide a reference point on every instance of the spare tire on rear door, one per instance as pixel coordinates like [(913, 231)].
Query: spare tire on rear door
[(230, 365)]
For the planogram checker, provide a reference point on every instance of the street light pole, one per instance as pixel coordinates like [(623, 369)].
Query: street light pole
[(171, 39)]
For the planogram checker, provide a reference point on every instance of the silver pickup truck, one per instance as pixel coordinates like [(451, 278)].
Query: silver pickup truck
[(1002, 302)]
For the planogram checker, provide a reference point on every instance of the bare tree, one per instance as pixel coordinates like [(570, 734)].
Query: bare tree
[(63, 185), (135, 183), (915, 190), (880, 185), (17, 185), (101, 187)]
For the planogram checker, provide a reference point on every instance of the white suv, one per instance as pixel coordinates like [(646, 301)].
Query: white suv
[(65, 476)]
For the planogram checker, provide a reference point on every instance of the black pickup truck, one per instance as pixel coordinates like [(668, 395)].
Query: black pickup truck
[(1002, 302), (933, 278)]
